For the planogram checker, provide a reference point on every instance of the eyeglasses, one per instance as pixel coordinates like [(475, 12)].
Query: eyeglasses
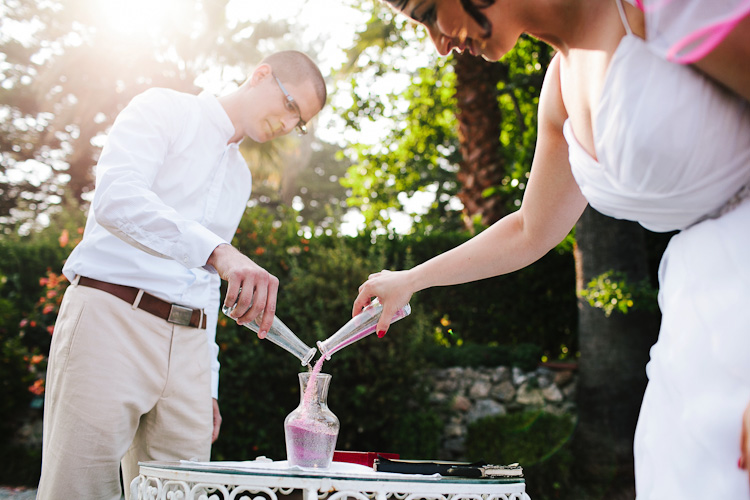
[(291, 106)]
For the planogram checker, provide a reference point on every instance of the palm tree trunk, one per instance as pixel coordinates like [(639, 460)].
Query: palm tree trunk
[(614, 352), (480, 119)]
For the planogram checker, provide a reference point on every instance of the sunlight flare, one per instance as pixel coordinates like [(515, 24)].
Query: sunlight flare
[(137, 18)]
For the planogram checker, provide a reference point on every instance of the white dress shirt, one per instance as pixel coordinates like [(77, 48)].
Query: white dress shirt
[(169, 189)]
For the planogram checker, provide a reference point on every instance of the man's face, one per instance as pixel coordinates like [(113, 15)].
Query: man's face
[(280, 107)]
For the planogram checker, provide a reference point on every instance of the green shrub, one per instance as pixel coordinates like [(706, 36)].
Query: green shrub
[(375, 391), (536, 305), (539, 441), (22, 369), (22, 466)]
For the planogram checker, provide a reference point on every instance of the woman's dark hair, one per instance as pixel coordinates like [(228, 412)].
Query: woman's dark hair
[(424, 11)]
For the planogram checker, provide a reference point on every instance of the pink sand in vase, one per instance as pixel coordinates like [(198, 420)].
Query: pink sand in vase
[(309, 445)]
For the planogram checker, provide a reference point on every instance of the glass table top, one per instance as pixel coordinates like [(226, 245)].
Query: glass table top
[(338, 470)]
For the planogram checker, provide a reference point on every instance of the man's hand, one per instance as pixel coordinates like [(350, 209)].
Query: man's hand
[(217, 420), (249, 286)]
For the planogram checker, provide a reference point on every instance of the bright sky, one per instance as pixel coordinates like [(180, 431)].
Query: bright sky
[(332, 22), (322, 19)]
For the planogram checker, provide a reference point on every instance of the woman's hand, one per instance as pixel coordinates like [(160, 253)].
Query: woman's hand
[(392, 288)]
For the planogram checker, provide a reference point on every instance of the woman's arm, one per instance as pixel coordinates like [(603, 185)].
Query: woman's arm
[(551, 206), (729, 63)]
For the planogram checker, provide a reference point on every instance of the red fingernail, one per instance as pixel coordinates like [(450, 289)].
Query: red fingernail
[(381, 334)]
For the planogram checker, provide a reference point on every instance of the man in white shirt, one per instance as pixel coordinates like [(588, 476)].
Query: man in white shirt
[(133, 368)]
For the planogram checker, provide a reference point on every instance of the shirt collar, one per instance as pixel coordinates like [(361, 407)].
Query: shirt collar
[(217, 114)]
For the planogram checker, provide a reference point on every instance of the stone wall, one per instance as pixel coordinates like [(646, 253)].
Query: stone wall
[(464, 395)]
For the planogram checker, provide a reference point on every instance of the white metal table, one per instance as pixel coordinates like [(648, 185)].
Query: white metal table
[(249, 481)]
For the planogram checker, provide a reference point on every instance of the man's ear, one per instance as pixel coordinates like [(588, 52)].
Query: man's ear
[(261, 73)]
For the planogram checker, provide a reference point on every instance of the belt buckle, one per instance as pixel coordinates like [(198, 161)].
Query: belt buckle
[(180, 315)]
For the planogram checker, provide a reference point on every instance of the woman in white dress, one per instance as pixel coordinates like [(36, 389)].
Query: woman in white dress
[(644, 115)]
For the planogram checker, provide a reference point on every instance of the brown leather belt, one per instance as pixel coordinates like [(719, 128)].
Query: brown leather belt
[(173, 313)]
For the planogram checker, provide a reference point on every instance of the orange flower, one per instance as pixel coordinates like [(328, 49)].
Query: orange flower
[(48, 309), (51, 329), (64, 237), (37, 388), (260, 251), (37, 358), (51, 294)]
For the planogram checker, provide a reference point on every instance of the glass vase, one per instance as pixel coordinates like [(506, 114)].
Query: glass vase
[(311, 429)]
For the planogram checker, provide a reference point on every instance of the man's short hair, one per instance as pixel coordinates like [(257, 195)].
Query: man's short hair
[(292, 66)]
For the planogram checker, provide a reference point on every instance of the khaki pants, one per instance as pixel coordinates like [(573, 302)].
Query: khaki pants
[(122, 386)]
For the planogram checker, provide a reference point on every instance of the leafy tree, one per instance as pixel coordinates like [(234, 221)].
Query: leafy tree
[(306, 177), (497, 104), (413, 147), (67, 69), (418, 154), (462, 129)]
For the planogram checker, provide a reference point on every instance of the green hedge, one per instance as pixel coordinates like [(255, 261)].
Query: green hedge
[(539, 441), (374, 390)]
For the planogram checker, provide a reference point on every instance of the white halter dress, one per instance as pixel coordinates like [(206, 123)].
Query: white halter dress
[(673, 153)]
